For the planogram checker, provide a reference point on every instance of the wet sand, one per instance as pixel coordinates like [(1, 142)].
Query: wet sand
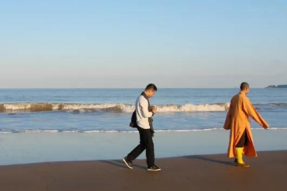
[(55, 147), (204, 172)]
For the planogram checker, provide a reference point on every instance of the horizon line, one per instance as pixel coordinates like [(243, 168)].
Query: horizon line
[(128, 88)]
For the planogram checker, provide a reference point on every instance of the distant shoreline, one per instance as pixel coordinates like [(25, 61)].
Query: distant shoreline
[(279, 86)]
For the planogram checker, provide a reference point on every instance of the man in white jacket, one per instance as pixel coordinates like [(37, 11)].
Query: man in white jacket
[(144, 113)]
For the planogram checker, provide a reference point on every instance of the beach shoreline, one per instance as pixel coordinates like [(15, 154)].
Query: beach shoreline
[(37, 147), (197, 172)]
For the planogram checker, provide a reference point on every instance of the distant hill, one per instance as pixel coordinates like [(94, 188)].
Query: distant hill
[(279, 86), (282, 86)]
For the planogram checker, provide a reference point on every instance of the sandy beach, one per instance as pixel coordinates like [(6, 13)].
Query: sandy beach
[(202, 172)]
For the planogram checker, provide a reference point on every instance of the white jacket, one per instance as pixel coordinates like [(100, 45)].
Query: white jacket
[(143, 112)]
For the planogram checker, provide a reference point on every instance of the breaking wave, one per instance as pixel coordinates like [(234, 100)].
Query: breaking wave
[(126, 108), (120, 108)]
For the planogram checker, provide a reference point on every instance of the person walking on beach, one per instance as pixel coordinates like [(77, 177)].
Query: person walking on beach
[(238, 122), (142, 120)]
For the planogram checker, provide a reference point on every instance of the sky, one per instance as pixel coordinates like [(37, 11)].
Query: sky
[(130, 43)]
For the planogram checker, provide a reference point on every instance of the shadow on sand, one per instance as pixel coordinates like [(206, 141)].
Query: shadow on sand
[(208, 159), (212, 160), (120, 164)]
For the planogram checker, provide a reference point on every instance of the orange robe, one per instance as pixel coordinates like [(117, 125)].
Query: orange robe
[(237, 121)]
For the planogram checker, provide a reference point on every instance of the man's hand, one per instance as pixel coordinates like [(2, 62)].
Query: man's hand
[(153, 110)]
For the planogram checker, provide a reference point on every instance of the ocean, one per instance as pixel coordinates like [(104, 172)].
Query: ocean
[(46, 125), (109, 110)]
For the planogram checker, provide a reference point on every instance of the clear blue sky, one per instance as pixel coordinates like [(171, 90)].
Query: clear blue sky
[(121, 43)]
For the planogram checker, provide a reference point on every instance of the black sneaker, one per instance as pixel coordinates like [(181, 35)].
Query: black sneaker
[(128, 163), (154, 168)]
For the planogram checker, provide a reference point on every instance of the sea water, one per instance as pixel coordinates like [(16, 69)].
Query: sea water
[(40, 125), (109, 110)]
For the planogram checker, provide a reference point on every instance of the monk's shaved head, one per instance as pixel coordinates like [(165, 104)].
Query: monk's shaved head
[(244, 86)]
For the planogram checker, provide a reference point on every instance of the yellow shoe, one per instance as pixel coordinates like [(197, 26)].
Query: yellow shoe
[(244, 165), (239, 159)]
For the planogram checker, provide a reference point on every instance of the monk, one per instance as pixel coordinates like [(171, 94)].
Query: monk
[(238, 122)]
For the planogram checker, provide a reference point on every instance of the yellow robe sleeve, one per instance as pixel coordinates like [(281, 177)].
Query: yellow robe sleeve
[(250, 110)]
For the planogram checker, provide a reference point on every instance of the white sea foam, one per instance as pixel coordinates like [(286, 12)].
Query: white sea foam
[(126, 108), (192, 107)]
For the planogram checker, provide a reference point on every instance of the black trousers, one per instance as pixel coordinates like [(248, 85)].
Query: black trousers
[(146, 143), (243, 140)]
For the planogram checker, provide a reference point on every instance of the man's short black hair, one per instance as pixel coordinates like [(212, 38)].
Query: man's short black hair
[(151, 87), (244, 86)]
